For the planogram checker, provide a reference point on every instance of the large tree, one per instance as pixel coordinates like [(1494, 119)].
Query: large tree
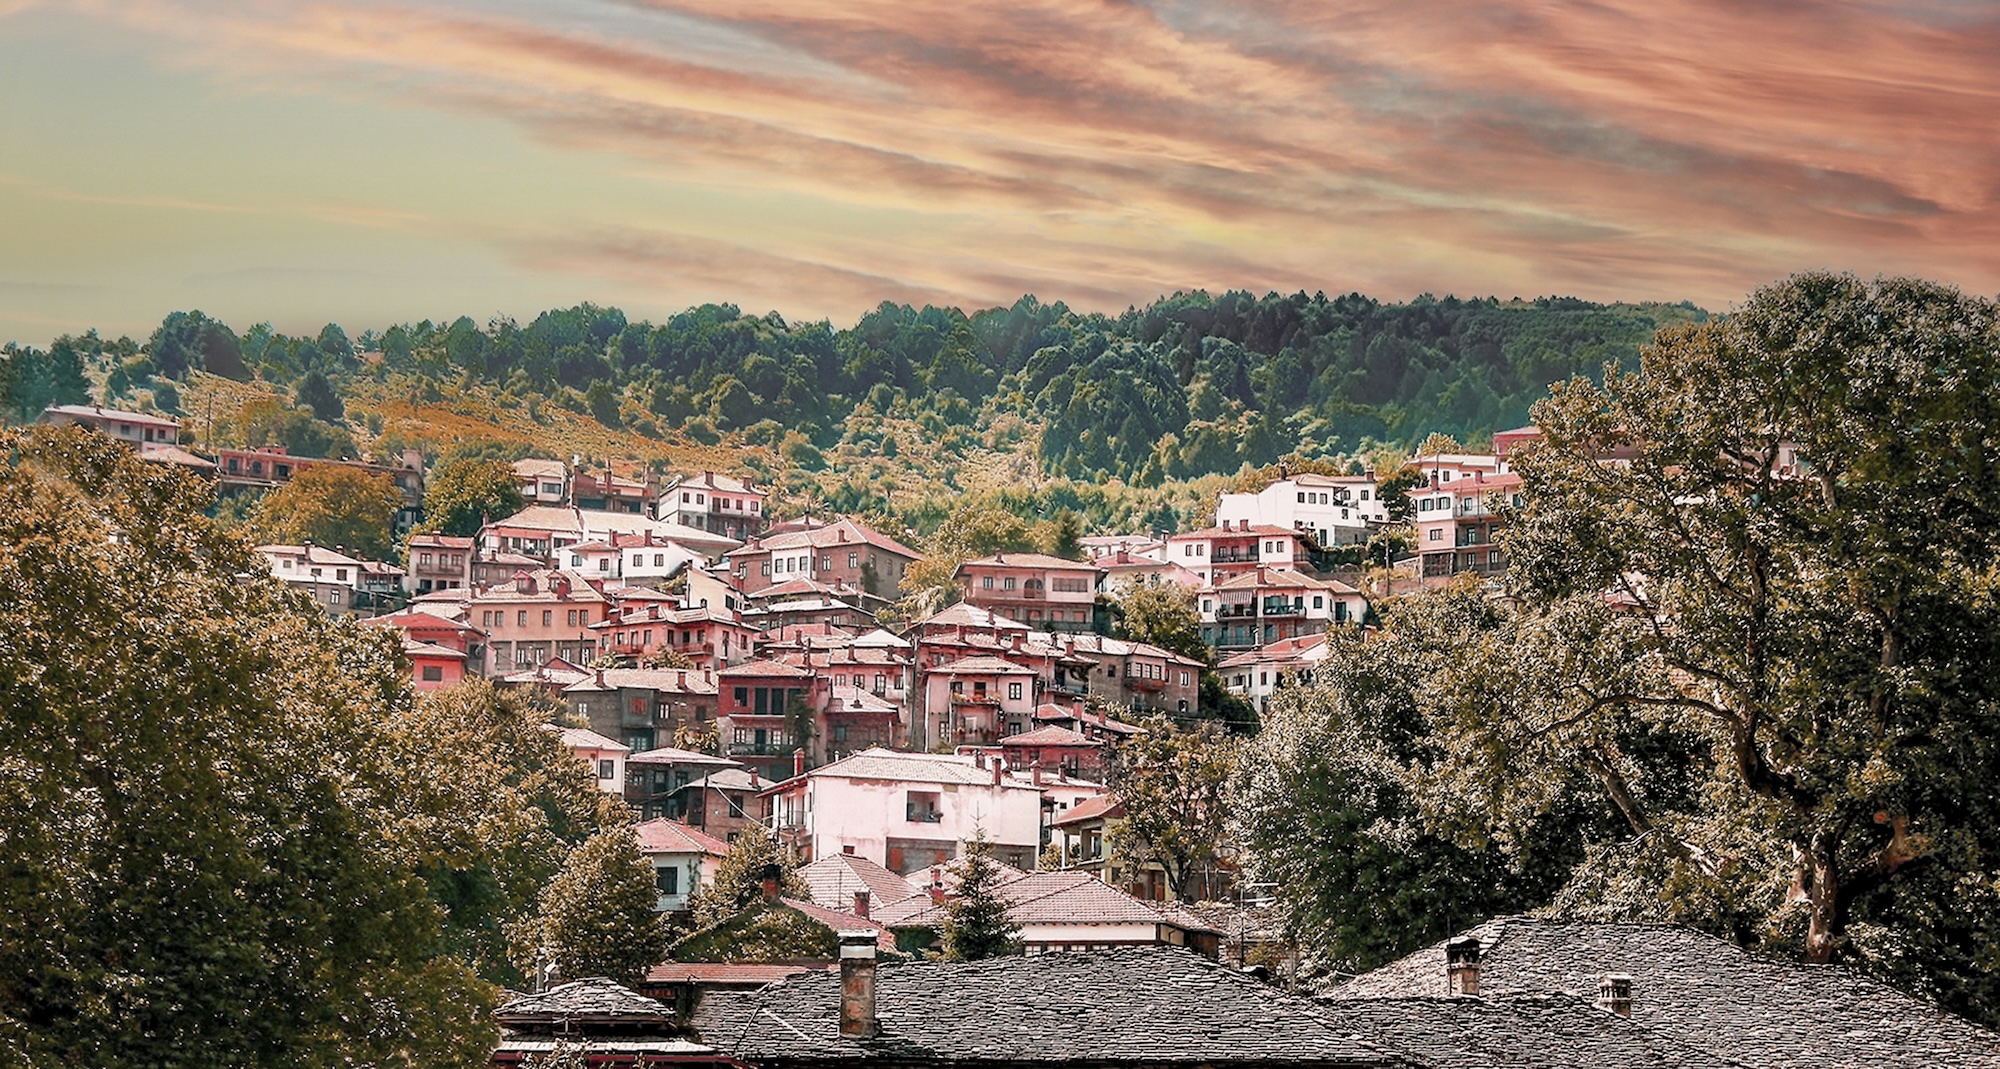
[(1798, 513), (596, 918), (976, 922), (209, 855), (333, 505), (1173, 781), (463, 493), (739, 880), (1162, 613)]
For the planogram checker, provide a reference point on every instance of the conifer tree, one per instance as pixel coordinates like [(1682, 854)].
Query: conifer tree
[(976, 924)]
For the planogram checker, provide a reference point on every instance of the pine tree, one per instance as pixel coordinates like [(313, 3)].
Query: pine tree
[(739, 881), (976, 924)]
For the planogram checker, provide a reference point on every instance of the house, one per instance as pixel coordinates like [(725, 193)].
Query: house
[(645, 707), (544, 531), (268, 467), (723, 803), (1102, 548), (654, 778), (1263, 606), (799, 602), (843, 552), (641, 558), (907, 811), (542, 482), (1069, 911), (1336, 510), (606, 492), (710, 638), (1551, 1032), (1122, 570), (606, 757), (1254, 675), (332, 579), (537, 616), (136, 429), (433, 667), (978, 699), (438, 562), (1057, 749), (777, 930), (1032, 588), (766, 712), (602, 1024), (1216, 554), (683, 859), (1459, 523), (1161, 1007), (451, 636), (1690, 987), (718, 503), (1137, 675)]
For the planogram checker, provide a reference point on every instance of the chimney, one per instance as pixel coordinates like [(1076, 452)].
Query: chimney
[(936, 888), (772, 875), (861, 903), (1614, 993), (799, 761), (857, 985), (1461, 966), (996, 770), (1036, 771)]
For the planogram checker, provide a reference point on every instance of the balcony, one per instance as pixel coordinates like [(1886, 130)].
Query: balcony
[(1235, 556), (1282, 608), (760, 749), (1145, 683), (984, 701)]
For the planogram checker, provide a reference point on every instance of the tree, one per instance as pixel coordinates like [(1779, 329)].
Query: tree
[(463, 493), (972, 531), (976, 923), (1329, 808), (207, 847), (1173, 781), (1062, 536), (596, 918), (603, 402), (1798, 506), (1395, 492), (505, 804), (333, 505), (188, 341), (317, 393), (1163, 613), (739, 880)]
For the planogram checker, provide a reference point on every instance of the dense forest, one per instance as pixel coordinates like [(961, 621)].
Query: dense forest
[(1191, 386)]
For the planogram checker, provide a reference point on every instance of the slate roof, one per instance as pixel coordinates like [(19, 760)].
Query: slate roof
[(878, 763), (983, 665), (1706, 991), (723, 973), (835, 877), (1158, 1006), (672, 755), (594, 999), (963, 615), (586, 739), (1549, 1032), (1030, 560)]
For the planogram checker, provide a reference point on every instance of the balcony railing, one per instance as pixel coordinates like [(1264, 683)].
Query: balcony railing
[(760, 749)]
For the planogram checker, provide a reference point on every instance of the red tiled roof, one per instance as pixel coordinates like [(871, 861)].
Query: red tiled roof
[(1049, 736), (726, 973), (841, 921), (663, 836), (1090, 809)]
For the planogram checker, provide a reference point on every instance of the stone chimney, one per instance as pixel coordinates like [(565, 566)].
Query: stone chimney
[(857, 985), (995, 766), (1614, 993), (861, 903), (773, 875), (1461, 966)]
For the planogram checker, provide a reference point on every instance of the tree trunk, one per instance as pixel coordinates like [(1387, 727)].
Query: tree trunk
[(1826, 920)]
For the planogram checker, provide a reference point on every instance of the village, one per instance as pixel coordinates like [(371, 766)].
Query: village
[(724, 674)]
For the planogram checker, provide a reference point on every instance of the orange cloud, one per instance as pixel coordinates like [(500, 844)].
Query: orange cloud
[(1103, 151)]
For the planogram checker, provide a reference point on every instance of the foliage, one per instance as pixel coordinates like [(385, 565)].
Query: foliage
[(33, 379), (760, 933), (191, 341), (1162, 613), (971, 532), (318, 394), (596, 918), (208, 841), (739, 880), (267, 422), (501, 804), (462, 493), (1326, 810), (334, 506), (1173, 781), (976, 924), (1802, 520)]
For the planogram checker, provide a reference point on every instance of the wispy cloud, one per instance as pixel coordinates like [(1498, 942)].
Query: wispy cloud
[(1104, 150)]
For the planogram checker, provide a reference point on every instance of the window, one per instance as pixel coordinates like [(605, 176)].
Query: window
[(1007, 583), (742, 695), (985, 582), (854, 560), (521, 618), (826, 564), (433, 674), (1364, 495), (840, 732), (667, 879), (548, 617), (881, 683), (1014, 692), (1302, 498), (766, 568), (923, 807), (424, 559), (1184, 677), (659, 560), (1436, 534), (604, 564), (1319, 601)]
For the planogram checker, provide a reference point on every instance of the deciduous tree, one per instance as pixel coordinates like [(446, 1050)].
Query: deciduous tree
[(1174, 782), (739, 880), (596, 918), (463, 493), (332, 505)]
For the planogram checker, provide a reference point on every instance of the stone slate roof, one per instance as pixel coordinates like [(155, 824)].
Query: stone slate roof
[(1069, 897), (1158, 1006), (1705, 991), (594, 1000), (664, 836), (1552, 1032)]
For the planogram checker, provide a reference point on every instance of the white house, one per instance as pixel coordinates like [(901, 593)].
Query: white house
[(311, 564), (606, 757), (1335, 509), (542, 482), (908, 811), (684, 860)]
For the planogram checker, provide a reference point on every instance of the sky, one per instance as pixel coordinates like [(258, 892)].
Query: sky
[(367, 163)]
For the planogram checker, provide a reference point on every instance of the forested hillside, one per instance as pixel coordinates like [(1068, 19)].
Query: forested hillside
[(1042, 405)]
